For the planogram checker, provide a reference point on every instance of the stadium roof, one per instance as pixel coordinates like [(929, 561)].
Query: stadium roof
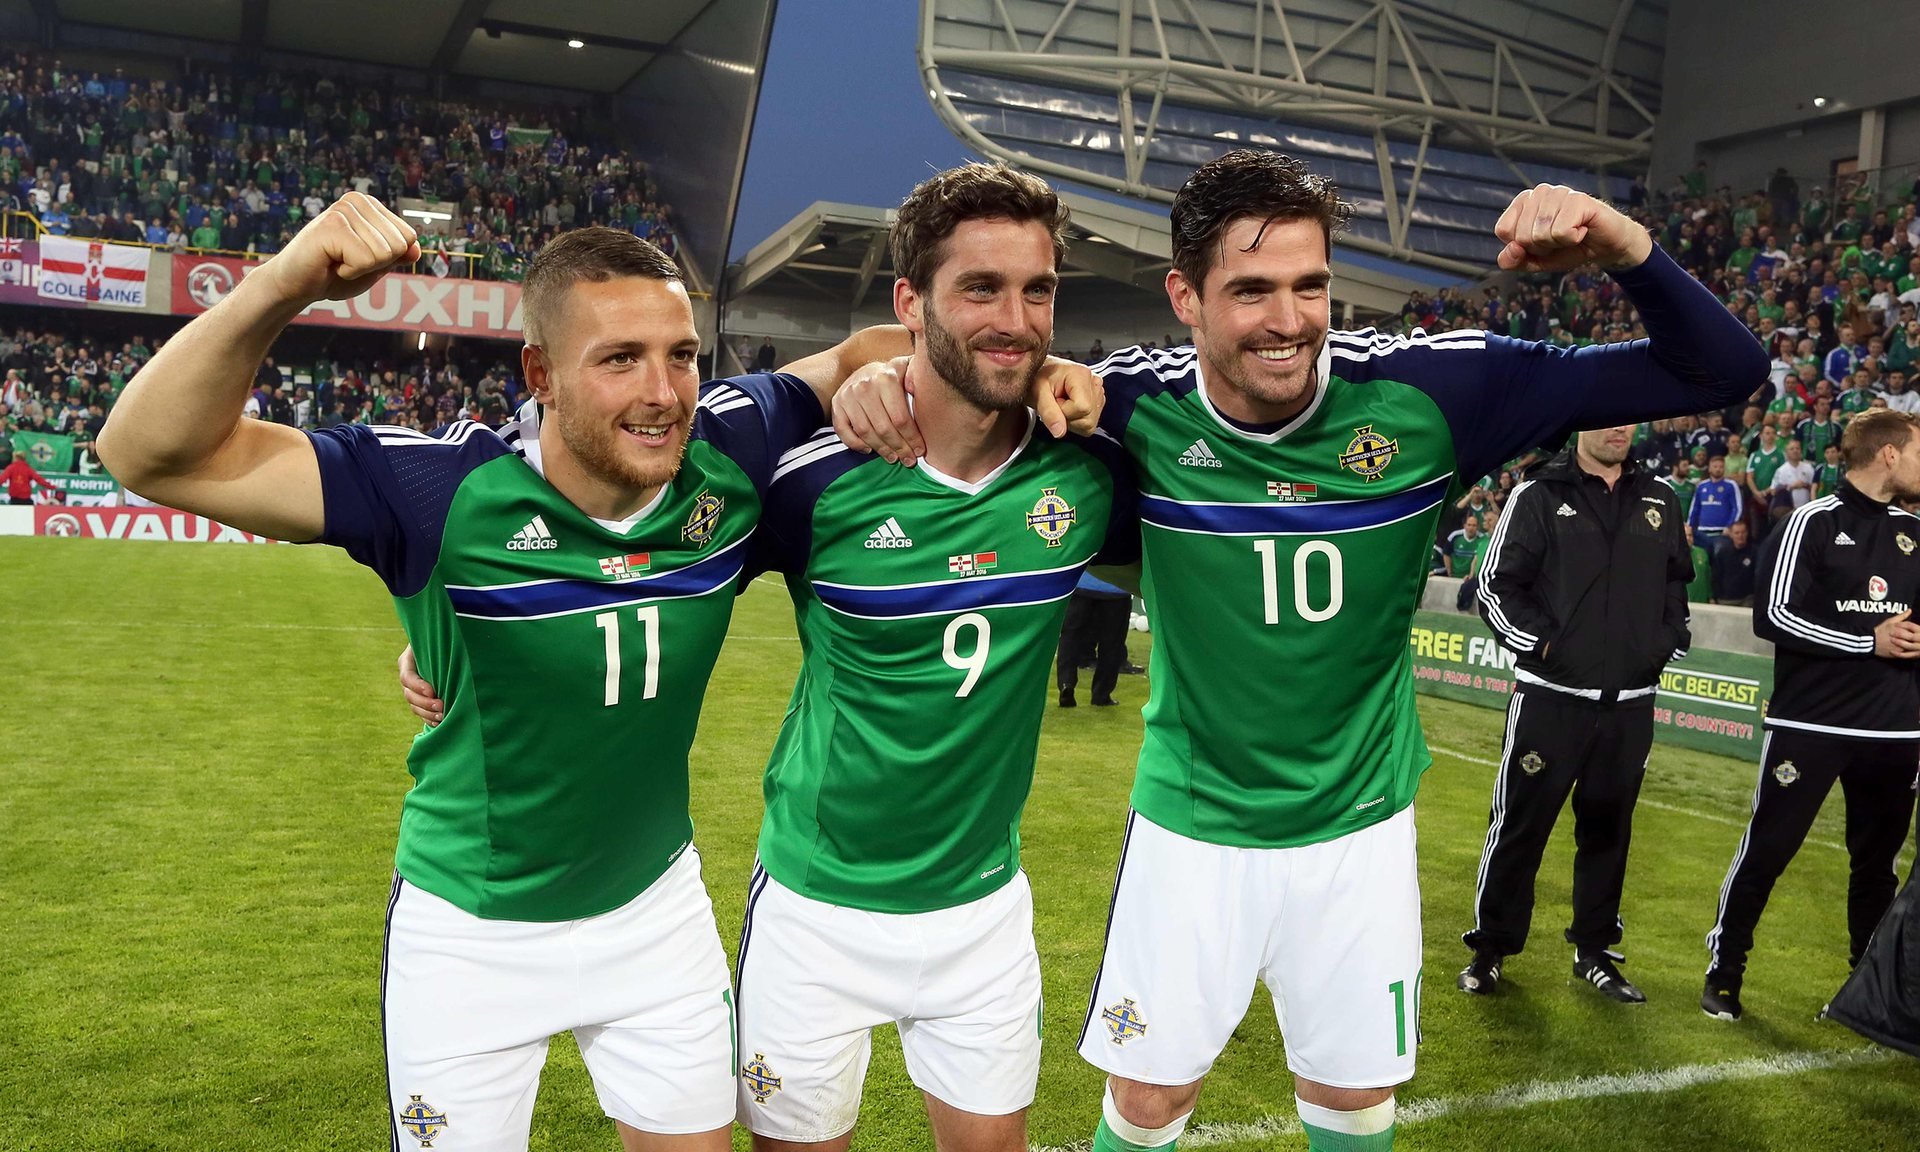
[(840, 250), (522, 41)]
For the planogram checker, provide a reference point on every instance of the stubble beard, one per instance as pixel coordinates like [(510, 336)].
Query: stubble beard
[(1000, 390), (1264, 390), (597, 449)]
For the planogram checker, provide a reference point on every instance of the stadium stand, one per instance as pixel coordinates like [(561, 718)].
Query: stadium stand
[(209, 161)]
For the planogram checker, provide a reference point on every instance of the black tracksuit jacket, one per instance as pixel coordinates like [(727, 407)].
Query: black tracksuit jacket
[(1837, 567), (1570, 573)]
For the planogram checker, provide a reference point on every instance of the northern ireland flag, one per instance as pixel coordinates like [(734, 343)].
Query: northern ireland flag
[(92, 271)]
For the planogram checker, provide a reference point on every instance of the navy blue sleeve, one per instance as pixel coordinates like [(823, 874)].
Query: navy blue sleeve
[(1121, 546), (755, 420), (386, 491), (784, 540), (1503, 396)]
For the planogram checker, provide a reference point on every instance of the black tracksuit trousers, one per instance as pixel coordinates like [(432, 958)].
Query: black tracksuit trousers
[(1096, 624), (1558, 744), (1797, 770)]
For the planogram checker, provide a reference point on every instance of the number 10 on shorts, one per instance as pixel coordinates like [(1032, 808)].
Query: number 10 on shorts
[(1402, 1010)]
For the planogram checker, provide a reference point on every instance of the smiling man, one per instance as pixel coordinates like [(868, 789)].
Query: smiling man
[(1272, 835), (572, 602)]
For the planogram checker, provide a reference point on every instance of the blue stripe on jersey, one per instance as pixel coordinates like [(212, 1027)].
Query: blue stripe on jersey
[(543, 598), (964, 594), (1288, 519)]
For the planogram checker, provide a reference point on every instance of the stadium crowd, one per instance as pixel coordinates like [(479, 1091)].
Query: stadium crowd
[(1831, 287), (64, 381), (222, 162)]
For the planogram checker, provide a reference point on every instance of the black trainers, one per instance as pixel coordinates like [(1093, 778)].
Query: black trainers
[(1598, 969), (1066, 698), (1720, 999), (1482, 977)]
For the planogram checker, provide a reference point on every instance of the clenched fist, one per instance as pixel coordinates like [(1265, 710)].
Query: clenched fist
[(1551, 228), (343, 252)]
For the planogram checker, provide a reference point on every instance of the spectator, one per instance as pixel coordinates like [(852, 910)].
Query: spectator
[(1465, 547), (1716, 504), (767, 357), (20, 477), (1792, 482), (1733, 567)]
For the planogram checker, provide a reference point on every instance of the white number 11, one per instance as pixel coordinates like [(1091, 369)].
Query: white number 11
[(609, 622)]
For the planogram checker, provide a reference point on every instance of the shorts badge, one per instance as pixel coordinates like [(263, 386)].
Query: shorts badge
[(1124, 1021), (1653, 519), (1905, 543), (1369, 453), (422, 1121), (704, 520), (1785, 772), (760, 1079), (1531, 763), (1051, 517)]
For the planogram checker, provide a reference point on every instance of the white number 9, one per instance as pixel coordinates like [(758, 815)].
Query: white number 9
[(974, 662)]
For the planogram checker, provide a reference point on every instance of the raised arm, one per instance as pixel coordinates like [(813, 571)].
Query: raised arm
[(1518, 394), (176, 435)]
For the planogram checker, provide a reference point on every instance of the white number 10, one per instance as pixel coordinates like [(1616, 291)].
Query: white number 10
[(974, 662), (1270, 580), (609, 622)]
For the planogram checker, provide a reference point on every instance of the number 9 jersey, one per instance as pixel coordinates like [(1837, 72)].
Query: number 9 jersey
[(929, 610)]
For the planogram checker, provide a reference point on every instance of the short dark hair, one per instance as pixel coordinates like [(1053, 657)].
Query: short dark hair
[(1873, 429), (973, 191), (595, 254), (1248, 182)]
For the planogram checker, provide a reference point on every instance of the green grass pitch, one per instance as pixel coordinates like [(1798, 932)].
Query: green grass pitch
[(203, 772)]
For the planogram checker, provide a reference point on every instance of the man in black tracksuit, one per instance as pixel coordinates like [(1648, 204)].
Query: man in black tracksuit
[(1836, 586), (1586, 581)]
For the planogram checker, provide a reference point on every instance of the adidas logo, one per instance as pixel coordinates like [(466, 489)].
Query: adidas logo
[(889, 535), (533, 538), (1843, 538), (1198, 455), (1565, 510)]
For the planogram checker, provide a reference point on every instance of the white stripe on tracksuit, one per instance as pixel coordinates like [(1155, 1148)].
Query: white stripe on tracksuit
[(1513, 637), (1739, 854), (1499, 804), (1782, 583)]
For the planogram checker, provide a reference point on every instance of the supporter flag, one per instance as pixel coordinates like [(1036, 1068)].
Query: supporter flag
[(518, 137), (93, 271), (438, 265), (46, 451), (12, 270)]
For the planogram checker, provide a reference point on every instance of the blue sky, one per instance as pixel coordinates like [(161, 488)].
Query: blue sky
[(842, 115)]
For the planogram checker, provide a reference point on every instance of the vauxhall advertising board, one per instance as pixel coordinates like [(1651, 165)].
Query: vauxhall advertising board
[(400, 302)]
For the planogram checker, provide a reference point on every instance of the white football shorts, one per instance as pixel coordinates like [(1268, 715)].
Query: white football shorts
[(1332, 929), (961, 984), (468, 1005)]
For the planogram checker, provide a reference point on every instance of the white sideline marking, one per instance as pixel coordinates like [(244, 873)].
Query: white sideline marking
[(1643, 801), (1644, 1083)]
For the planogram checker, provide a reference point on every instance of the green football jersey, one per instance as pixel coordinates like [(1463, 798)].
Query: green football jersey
[(929, 611), (1282, 583), (572, 653)]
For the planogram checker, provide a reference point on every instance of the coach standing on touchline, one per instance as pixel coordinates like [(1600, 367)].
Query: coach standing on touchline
[(1835, 591), (1586, 581)]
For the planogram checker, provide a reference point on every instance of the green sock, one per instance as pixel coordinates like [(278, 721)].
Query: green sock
[(1327, 1140), (1106, 1140)]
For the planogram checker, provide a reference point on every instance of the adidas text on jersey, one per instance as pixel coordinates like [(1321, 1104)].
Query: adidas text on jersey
[(889, 535), (533, 538)]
